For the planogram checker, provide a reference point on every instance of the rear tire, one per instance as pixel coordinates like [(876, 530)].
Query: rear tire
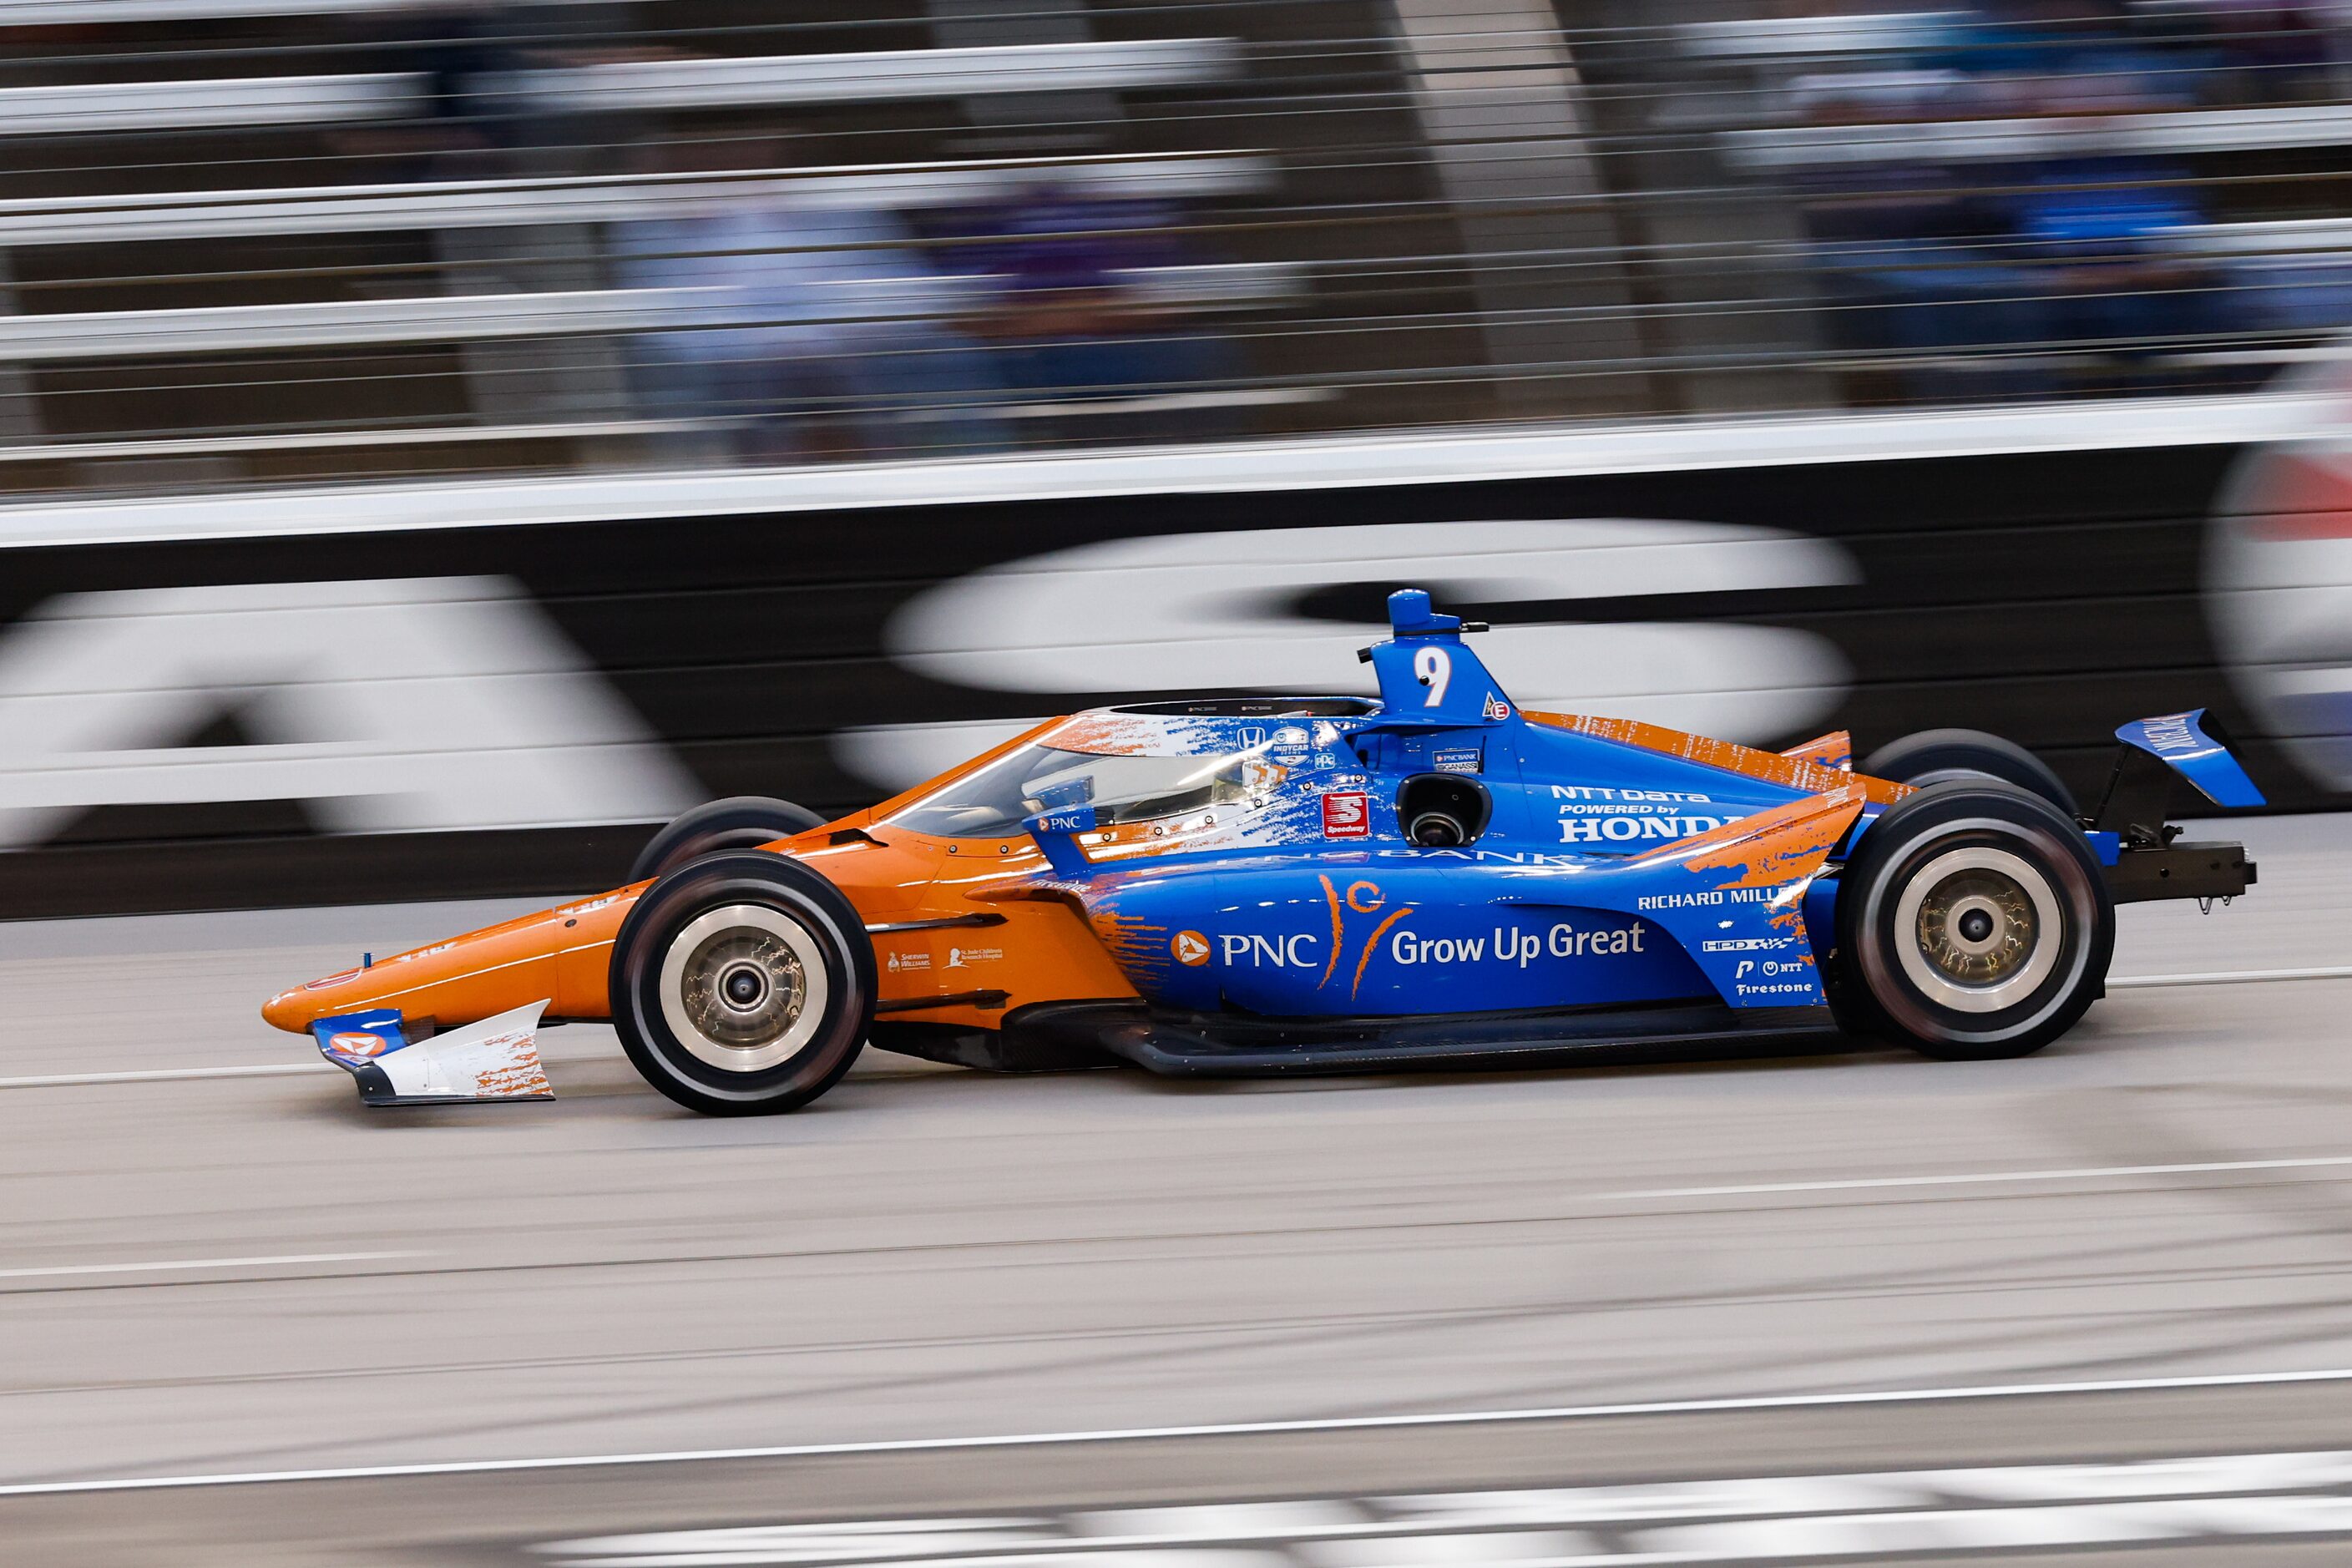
[(1939, 756), (742, 985), (739, 822), (1973, 923)]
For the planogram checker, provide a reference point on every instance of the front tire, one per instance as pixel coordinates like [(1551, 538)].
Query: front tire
[(1973, 923), (742, 985)]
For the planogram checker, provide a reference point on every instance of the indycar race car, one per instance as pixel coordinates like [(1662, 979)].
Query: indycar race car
[(1282, 885)]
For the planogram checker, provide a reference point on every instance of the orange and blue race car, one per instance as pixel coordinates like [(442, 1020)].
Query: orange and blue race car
[(1288, 885)]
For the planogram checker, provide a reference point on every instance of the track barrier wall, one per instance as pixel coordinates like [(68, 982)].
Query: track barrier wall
[(407, 698)]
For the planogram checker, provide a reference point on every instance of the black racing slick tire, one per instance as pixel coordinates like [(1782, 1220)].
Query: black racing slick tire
[(739, 822), (1973, 922), (1938, 756), (742, 985)]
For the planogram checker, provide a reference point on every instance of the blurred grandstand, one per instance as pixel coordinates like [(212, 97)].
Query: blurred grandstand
[(248, 241)]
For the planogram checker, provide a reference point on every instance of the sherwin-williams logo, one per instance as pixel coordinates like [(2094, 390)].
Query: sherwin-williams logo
[(1190, 948), (1347, 814)]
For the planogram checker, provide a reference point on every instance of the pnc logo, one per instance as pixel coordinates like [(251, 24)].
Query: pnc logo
[(1190, 948), (357, 1044)]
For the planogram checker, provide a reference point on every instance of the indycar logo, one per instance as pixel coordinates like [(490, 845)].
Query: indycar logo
[(1190, 948), (1347, 814)]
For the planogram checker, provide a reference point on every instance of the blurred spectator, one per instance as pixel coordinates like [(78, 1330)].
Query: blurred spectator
[(469, 122), (2040, 274), (1070, 322), (809, 334)]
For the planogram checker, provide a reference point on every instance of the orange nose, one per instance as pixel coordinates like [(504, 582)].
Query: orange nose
[(284, 1011), (293, 1010)]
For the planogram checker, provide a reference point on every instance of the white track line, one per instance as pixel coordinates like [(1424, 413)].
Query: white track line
[(165, 1075), (2231, 977), (184, 1263), (274, 1070), (2086, 1172), (1230, 1429)]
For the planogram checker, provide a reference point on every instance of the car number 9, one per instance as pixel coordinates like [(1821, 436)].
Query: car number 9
[(1434, 668)]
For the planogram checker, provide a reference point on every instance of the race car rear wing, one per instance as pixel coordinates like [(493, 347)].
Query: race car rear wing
[(2150, 862)]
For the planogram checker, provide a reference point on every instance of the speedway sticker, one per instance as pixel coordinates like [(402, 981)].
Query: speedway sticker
[(1347, 814)]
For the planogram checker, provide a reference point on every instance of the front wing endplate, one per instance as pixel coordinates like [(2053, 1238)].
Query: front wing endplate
[(497, 1058)]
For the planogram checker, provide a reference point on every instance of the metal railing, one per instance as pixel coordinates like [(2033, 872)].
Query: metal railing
[(231, 226)]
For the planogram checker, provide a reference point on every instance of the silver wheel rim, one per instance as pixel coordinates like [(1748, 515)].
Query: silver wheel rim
[(1979, 930), (743, 987)]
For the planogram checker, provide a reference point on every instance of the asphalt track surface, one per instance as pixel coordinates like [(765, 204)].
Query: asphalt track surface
[(2087, 1283)]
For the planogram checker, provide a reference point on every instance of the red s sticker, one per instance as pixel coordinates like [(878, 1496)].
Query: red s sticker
[(1347, 814)]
